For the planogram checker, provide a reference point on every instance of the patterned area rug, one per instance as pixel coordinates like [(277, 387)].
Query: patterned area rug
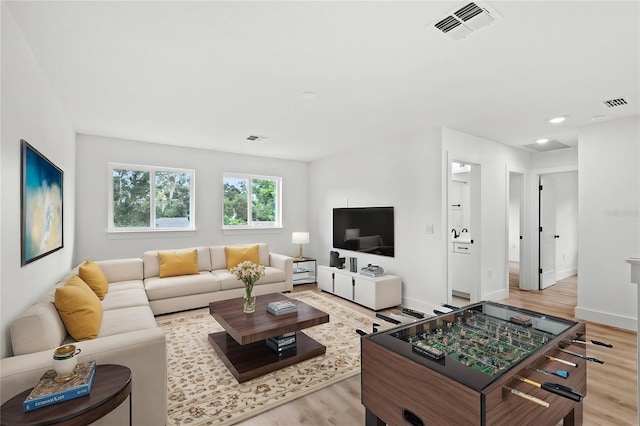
[(203, 392)]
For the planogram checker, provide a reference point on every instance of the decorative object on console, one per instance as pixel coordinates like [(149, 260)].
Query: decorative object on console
[(300, 238), (335, 260), (248, 272), (372, 270), (49, 391), (41, 205)]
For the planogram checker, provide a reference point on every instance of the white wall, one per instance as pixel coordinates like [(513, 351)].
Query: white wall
[(495, 160), (95, 152), (30, 112), (406, 174), (609, 221), (566, 224)]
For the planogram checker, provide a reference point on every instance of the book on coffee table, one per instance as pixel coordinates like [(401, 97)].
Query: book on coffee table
[(49, 391), (281, 307)]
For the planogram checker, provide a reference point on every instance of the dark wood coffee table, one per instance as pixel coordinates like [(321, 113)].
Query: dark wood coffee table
[(242, 346), (111, 386)]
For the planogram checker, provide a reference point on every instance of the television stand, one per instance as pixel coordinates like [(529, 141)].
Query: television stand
[(374, 293)]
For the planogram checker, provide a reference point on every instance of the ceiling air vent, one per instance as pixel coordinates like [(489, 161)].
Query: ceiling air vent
[(612, 103), (255, 138), (462, 21)]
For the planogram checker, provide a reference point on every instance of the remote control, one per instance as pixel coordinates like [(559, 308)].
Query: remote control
[(413, 313)]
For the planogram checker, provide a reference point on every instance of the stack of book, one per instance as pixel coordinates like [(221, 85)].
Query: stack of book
[(281, 307), (49, 391), (282, 343)]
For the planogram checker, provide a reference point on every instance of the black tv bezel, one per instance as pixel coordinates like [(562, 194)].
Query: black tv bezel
[(386, 250)]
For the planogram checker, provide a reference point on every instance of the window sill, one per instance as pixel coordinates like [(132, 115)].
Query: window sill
[(124, 234), (239, 231)]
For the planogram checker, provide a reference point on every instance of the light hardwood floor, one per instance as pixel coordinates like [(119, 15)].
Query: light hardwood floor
[(611, 395)]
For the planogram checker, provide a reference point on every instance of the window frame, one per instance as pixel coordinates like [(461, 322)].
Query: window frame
[(276, 224), (111, 228)]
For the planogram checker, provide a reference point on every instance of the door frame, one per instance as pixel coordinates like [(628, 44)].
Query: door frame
[(534, 215)]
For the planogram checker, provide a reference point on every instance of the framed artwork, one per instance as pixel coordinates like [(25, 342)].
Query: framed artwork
[(40, 205)]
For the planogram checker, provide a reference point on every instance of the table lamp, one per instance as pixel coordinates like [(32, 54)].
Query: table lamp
[(300, 238)]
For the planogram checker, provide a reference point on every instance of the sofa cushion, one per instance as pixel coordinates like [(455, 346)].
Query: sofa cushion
[(219, 259), (238, 254), (173, 263), (79, 308), (39, 328), (125, 320), (125, 299), (152, 264), (165, 288), (229, 280), (91, 274)]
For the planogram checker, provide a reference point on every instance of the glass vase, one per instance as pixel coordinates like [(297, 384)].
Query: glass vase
[(249, 300)]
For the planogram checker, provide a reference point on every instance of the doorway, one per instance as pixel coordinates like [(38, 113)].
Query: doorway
[(515, 217), (463, 220), (558, 227)]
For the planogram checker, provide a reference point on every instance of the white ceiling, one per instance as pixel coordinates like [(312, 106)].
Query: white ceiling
[(208, 74)]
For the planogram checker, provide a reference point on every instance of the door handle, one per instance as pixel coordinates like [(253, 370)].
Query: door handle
[(556, 236)]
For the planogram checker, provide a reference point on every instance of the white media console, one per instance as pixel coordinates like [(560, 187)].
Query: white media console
[(375, 293)]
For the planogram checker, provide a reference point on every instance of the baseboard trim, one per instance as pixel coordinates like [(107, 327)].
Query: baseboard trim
[(606, 318), (561, 275), (496, 295)]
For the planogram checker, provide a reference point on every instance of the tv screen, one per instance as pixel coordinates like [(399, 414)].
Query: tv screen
[(364, 229)]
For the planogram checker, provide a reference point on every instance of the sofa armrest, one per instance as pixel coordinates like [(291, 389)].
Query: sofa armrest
[(143, 351), (284, 263)]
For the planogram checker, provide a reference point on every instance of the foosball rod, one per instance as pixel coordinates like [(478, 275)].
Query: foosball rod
[(590, 342), (527, 397), (588, 358), (558, 389), (562, 361)]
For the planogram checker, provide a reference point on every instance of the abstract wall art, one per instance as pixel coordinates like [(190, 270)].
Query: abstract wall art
[(41, 205)]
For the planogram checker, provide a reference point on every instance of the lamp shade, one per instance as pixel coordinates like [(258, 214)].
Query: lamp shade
[(300, 238)]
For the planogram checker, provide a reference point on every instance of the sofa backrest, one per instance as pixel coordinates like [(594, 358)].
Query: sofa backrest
[(152, 264), (219, 259)]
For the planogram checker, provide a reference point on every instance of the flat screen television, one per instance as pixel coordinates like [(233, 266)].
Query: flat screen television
[(364, 229)]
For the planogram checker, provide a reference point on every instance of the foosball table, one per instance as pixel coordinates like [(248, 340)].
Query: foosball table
[(485, 364)]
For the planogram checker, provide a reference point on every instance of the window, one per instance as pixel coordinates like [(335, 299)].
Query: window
[(133, 208), (251, 201)]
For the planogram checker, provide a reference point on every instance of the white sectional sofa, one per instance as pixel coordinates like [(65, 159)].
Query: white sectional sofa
[(128, 333), (214, 282)]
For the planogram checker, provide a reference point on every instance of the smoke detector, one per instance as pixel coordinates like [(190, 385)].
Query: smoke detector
[(464, 20)]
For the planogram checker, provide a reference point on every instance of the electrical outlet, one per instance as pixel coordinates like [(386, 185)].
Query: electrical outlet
[(490, 273), (428, 229)]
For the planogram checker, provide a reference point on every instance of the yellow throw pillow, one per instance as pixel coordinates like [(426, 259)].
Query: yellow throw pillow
[(174, 263), (79, 308), (91, 274), (236, 255)]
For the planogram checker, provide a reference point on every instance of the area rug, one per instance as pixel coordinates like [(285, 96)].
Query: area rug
[(201, 391)]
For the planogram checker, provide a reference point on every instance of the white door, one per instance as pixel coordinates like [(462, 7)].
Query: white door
[(548, 234)]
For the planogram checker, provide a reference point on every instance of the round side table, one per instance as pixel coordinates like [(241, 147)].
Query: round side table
[(111, 386)]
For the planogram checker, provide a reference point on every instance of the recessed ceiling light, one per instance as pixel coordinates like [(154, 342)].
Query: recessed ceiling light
[(543, 140), (598, 117), (556, 120), (309, 95)]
